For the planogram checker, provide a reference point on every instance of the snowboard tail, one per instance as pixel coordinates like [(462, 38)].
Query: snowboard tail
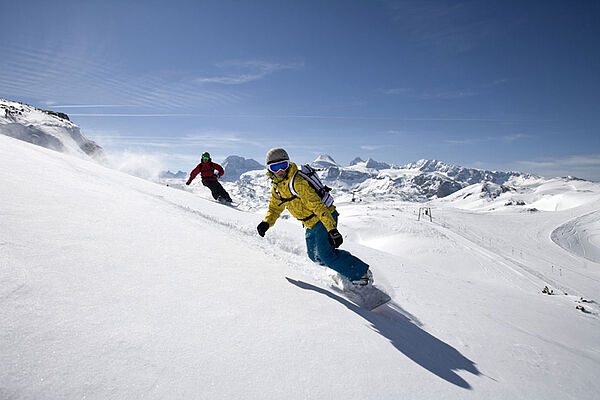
[(369, 296)]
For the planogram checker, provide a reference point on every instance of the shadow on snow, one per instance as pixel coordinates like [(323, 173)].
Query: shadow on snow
[(415, 343)]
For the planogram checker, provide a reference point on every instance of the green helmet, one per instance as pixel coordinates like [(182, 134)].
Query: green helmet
[(206, 155)]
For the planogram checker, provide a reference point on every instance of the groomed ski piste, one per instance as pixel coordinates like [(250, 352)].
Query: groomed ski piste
[(113, 287)]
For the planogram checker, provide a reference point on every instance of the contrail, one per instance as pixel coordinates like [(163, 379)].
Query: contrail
[(93, 106), (300, 117)]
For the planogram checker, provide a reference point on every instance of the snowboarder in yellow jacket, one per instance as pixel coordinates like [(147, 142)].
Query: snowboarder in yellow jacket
[(319, 219)]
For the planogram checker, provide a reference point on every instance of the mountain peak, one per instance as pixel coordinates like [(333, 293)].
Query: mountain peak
[(235, 166), (325, 161), (428, 165), (357, 160), (370, 163)]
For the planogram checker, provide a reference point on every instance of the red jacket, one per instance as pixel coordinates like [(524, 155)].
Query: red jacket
[(207, 171)]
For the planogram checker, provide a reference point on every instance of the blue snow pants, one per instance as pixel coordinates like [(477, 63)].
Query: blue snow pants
[(321, 251)]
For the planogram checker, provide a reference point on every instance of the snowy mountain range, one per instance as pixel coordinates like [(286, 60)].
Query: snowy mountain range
[(369, 179), (165, 175), (421, 181), (45, 128)]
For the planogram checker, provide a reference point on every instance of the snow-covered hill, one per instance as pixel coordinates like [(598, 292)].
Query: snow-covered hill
[(115, 287), (49, 129), (581, 236), (526, 195)]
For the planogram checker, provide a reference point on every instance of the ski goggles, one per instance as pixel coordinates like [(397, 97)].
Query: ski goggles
[(278, 166), (205, 158)]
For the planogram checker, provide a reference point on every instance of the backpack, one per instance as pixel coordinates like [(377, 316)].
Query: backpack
[(308, 173)]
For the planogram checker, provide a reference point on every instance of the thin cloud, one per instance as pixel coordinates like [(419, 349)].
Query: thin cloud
[(90, 105), (582, 166), (572, 161), (463, 141), (253, 71), (74, 76), (450, 95), (515, 137), (220, 138), (212, 139), (393, 91), (505, 138), (497, 82), (372, 147), (456, 94)]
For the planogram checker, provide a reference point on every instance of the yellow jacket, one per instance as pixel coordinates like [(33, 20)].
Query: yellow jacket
[(308, 208)]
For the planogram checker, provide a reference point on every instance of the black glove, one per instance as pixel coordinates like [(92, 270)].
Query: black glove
[(262, 228), (188, 183), (335, 238)]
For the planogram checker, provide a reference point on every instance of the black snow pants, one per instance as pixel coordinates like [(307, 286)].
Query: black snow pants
[(217, 190)]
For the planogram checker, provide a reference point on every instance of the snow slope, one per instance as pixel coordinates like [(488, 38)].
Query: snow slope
[(581, 236), (112, 287)]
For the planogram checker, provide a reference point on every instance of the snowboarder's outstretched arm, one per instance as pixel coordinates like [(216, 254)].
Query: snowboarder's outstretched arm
[(193, 174), (276, 207)]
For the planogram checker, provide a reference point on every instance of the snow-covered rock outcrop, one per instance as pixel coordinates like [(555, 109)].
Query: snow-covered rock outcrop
[(49, 129)]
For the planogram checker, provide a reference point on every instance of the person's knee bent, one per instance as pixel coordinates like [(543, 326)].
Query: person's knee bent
[(327, 254)]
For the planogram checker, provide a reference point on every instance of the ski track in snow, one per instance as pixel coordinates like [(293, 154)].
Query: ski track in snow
[(540, 255), (503, 263), (281, 248)]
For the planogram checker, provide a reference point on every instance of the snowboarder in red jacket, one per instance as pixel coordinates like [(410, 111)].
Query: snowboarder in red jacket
[(210, 173)]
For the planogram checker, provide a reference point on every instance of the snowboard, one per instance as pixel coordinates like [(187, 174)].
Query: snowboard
[(369, 297), (226, 203)]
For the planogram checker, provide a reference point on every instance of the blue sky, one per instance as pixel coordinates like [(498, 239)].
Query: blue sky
[(489, 84)]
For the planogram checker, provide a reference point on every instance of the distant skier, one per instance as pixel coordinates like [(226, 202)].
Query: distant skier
[(320, 220), (210, 173)]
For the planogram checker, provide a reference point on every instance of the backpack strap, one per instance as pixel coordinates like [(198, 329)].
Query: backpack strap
[(283, 199), (291, 185), (314, 182), (307, 218), (296, 195), (327, 199)]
